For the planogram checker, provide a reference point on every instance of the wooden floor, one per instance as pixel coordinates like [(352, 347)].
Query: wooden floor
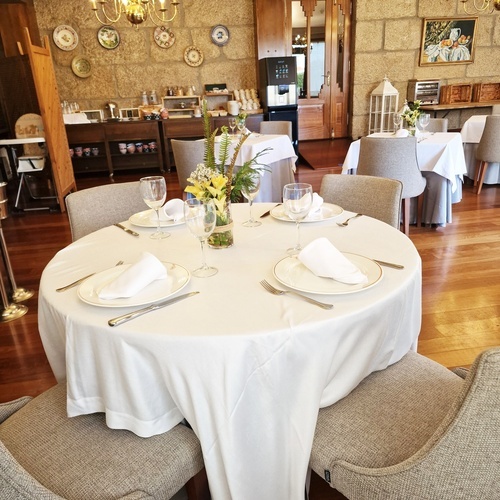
[(461, 277)]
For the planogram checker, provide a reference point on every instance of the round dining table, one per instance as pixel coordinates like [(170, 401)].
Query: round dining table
[(248, 370)]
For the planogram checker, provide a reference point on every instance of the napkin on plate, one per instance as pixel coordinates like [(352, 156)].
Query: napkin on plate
[(402, 132), (173, 210), (316, 204), (324, 260), (136, 277)]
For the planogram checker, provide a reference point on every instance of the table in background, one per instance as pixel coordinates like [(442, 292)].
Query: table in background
[(471, 135), (247, 369), (280, 160), (441, 160)]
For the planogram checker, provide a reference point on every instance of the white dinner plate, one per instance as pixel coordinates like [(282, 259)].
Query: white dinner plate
[(293, 274), (327, 211), (178, 277), (146, 219)]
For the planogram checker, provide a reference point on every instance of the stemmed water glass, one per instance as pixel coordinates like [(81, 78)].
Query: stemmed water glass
[(154, 194), (232, 125), (398, 120), (200, 217), (424, 120), (240, 123), (297, 201), (250, 191)]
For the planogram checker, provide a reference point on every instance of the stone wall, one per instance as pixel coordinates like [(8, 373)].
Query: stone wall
[(387, 42), (138, 63)]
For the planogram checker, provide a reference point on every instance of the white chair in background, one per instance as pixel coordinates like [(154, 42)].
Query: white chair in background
[(101, 206), (437, 125), (376, 197), (276, 127), (395, 158), (187, 155), (488, 150)]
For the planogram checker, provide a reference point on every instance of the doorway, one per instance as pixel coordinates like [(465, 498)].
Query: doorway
[(321, 44)]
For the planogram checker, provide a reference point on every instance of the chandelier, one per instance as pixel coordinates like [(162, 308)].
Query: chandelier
[(481, 6), (136, 11)]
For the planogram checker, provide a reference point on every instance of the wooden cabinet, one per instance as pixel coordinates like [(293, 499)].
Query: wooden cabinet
[(104, 141)]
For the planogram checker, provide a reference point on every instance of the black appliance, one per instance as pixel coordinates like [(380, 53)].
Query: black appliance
[(278, 91)]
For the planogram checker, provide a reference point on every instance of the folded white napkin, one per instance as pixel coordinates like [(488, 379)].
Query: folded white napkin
[(402, 132), (135, 277), (172, 210), (324, 260), (316, 204)]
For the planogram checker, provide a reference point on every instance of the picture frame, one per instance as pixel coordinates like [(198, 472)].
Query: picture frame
[(129, 113), (94, 115), (448, 41)]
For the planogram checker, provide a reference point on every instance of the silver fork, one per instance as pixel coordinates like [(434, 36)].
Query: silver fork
[(346, 222), (78, 281), (275, 291)]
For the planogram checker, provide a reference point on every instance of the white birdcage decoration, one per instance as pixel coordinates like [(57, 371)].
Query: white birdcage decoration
[(383, 106)]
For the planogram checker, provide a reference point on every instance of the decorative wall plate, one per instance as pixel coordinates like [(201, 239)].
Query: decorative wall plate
[(108, 37), (193, 56), (81, 66), (164, 37), (220, 35), (65, 37)]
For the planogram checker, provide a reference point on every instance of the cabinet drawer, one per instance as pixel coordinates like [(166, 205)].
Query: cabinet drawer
[(85, 132), (182, 127), (131, 131)]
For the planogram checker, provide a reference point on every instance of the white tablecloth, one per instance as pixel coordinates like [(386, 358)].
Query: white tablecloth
[(247, 369), (280, 160), (471, 132), (441, 160)]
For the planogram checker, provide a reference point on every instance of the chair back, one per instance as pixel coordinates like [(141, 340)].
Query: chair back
[(437, 125), (488, 149), (376, 197), (187, 155), (394, 158), (276, 127), (495, 109), (94, 208)]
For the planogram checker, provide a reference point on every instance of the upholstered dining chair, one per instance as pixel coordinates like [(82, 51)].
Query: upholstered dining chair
[(94, 208), (395, 158), (187, 155), (437, 125), (495, 109), (488, 150), (276, 127), (415, 431), (376, 197), (46, 455)]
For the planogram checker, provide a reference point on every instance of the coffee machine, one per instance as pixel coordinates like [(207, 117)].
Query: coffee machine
[(278, 91)]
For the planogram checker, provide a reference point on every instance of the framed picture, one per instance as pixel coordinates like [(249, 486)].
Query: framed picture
[(94, 115), (129, 113), (448, 41)]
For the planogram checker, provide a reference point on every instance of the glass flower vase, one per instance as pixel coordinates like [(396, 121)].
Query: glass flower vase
[(222, 237)]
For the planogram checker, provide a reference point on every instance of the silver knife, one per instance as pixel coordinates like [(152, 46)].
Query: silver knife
[(265, 214), (389, 264), (158, 305), (126, 229)]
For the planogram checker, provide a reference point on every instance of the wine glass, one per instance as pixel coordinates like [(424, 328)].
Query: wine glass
[(154, 194), (424, 120), (398, 120), (250, 192), (200, 217), (232, 125), (240, 123), (297, 201)]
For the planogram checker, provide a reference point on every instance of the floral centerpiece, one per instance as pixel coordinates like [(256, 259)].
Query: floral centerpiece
[(411, 112), (217, 179)]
